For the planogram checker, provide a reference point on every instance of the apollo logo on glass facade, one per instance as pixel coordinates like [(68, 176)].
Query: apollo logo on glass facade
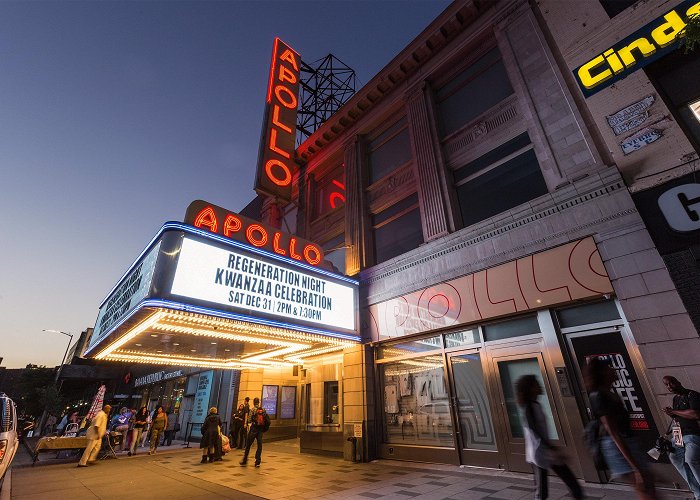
[(642, 47)]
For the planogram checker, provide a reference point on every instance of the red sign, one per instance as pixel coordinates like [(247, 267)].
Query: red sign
[(218, 220), (277, 145)]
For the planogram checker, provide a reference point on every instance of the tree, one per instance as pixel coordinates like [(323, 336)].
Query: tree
[(691, 34), (33, 381)]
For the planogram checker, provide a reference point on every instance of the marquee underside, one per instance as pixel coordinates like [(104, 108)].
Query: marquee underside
[(158, 335)]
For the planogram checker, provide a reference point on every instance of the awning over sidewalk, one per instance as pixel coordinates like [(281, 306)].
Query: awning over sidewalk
[(193, 298)]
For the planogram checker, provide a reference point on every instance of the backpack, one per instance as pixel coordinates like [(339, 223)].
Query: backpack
[(261, 419)]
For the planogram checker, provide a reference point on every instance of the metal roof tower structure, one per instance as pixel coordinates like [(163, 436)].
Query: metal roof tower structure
[(326, 84)]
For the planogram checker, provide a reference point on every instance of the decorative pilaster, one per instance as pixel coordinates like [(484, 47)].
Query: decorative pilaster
[(429, 170), (271, 213), (354, 211)]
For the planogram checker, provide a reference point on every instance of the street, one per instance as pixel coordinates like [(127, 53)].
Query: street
[(284, 474)]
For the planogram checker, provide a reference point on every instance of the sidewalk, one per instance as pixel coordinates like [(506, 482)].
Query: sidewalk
[(284, 474)]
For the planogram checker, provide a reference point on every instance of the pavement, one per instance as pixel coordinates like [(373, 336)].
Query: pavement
[(175, 472)]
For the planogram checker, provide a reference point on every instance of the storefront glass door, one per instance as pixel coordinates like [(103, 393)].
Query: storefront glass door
[(475, 430), (509, 365)]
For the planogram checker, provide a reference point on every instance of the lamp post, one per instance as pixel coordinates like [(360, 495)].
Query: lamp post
[(58, 374), (70, 341)]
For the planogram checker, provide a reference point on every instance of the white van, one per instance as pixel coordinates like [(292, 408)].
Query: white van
[(9, 441)]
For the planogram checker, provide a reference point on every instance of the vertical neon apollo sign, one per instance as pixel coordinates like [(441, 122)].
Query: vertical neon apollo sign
[(277, 142)]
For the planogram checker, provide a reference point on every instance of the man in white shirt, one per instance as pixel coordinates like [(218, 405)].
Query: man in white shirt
[(97, 429)]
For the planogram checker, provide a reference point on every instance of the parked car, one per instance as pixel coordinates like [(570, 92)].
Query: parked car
[(9, 440)]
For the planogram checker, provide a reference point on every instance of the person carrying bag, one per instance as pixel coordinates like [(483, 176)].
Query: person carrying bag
[(538, 450)]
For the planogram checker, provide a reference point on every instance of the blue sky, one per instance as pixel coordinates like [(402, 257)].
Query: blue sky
[(115, 115)]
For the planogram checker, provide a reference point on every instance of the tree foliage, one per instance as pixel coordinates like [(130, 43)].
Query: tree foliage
[(691, 34), (32, 389)]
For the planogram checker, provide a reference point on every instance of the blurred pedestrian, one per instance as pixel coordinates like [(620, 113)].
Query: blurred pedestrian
[(211, 441), (623, 454), (539, 452), (146, 430), (120, 424), (686, 414), (170, 429), (237, 427), (259, 424), (97, 429), (140, 423), (158, 426)]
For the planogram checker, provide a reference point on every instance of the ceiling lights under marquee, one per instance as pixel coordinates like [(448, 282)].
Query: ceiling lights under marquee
[(283, 347)]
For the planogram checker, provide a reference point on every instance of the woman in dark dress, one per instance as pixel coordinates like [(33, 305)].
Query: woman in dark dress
[(211, 440), (623, 455)]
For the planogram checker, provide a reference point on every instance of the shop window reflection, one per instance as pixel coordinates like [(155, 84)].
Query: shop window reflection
[(416, 402)]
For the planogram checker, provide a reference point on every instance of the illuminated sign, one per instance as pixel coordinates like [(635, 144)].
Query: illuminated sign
[(276, 156), (218, 220), (202, 299), (131, 289), (157, 377), (642, 47), (243, 281)]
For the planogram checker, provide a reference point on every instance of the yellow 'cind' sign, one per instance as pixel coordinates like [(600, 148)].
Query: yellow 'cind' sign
[(642, 47)]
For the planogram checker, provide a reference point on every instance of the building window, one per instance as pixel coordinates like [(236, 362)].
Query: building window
[(614, 7), (334, 252), (330, 193), (390, 150), (675, 76), (499, 180), (397, 229), (416, 402), (330, 403), (472, 92)]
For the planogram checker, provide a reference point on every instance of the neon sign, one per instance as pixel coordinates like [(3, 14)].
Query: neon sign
[(276, 155), (642, 47), (220, 221)]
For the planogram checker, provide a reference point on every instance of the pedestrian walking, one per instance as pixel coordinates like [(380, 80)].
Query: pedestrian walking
[(685, 413), (623, 455), (97, 429), (170, 429), (211, 441), (237, 428), (259, 423), (146, 430), (140, 423), (158, 426), (539, 452)]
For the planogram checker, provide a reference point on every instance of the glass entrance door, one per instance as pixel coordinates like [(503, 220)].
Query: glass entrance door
[(476, 437), (508, 365)]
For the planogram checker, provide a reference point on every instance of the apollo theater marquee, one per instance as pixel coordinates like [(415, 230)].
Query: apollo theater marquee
[(223, 291)]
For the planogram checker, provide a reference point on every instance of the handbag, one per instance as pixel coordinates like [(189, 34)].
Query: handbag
[(662, 444), (225, 444)]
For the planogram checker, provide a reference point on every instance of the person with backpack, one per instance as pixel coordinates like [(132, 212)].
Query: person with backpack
[(259, 423), (623, 455), (539, 452), (685, 413)]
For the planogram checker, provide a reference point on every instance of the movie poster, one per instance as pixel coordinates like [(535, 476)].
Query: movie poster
[(611, 347)]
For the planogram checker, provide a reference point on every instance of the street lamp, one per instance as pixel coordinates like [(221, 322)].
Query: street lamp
[(58, 374), (70, 341)]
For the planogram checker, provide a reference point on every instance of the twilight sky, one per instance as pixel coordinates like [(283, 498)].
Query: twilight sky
[(115, 115)]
